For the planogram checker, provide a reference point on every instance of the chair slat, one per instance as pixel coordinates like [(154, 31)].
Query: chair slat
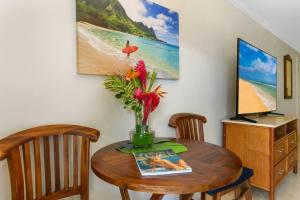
[(56, 162), (193, 131), (195, 125), (186, 128), (181, 129), (16, 174), (201, 131), (66, 162), (38, 173), (189, 128), (28, 172), (84, 174), (75, 161), (47, 165)]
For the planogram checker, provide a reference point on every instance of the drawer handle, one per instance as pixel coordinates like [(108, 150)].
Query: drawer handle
[(292, 142), (292, 160), (281, 172)]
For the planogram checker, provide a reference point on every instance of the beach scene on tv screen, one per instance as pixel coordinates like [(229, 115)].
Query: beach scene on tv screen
[(257, 80)]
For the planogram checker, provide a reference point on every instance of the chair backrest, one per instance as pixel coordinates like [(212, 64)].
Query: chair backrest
[(38, 157), (188, 125)]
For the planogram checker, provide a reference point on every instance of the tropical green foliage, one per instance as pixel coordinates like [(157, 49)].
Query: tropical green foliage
[(124, 91), (110, 14)]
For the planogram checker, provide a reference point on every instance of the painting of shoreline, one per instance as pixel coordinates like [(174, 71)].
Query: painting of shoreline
[(257, 80), (113, 35)]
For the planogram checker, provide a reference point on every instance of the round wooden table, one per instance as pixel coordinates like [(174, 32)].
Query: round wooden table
[(213, 166)]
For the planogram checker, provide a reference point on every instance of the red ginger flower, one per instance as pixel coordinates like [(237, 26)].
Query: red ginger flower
[(151, 101), (138, 94), (141, 70)]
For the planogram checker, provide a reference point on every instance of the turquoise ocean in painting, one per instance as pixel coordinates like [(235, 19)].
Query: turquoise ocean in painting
[(162, 57)]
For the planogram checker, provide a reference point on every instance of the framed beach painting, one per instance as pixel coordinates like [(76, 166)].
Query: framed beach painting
[(113, 35)]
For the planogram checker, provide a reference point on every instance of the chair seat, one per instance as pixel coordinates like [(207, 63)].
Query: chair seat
[(246, 174)]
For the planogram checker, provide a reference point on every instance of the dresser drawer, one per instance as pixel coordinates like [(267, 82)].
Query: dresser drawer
[(279, 150), (292, 159), (280, 170), (292, 141)]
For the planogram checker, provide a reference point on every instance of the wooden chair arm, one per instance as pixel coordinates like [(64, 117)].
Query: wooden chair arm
[(19, 138)]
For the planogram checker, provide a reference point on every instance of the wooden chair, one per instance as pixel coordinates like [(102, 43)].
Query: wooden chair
[(49, 148), (190, 126)]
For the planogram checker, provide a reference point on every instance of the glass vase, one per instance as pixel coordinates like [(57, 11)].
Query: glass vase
[(142, 136)]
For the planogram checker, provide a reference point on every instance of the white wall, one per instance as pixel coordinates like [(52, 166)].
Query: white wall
[(39, 83)]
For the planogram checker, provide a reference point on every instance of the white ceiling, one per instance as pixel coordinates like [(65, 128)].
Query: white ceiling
[(281, 17)]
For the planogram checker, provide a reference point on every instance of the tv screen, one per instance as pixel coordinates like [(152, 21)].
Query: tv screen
[(257, 80)]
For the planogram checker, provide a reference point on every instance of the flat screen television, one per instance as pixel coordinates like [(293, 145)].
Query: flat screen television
[(256, 80)]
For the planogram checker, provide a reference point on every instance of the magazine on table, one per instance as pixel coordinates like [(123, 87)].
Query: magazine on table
[(160, 162)]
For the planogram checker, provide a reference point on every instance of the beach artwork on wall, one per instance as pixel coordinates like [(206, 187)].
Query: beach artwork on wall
[(257, 80), (113, 35)]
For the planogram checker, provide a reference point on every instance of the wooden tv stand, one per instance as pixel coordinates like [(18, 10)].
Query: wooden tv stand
[(269, 147)]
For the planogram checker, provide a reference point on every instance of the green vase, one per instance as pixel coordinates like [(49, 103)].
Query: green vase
[(142, 136)]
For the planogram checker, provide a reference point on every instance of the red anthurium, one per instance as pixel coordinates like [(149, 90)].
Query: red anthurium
[(151, 101), (141, 70)]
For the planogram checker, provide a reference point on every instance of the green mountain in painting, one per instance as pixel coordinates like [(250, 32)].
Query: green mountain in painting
[(110, 14)]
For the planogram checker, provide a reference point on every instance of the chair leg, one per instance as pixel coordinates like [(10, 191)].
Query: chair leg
[(217, 196), (237, 193), (124, 193), (240, 192), (186, 196), (203, 195), (249, 193), (156, 197), (243, 191)]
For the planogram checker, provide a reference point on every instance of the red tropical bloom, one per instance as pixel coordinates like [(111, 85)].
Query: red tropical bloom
[(138, 94), (141, 70), (151, 101), (145, 99)]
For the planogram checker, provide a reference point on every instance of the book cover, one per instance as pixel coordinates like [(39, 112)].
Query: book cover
[(160, 162)]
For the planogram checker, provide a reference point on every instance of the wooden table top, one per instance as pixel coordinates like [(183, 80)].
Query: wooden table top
[(213, 166)]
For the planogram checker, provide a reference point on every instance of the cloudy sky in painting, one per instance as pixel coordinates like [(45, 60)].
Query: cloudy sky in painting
[(162, 20)]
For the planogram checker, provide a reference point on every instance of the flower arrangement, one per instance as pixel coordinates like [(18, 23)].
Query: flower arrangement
[(134, 90)]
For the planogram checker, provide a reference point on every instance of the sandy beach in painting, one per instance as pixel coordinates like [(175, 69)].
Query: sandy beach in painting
[(93, 61), (253, 98)]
